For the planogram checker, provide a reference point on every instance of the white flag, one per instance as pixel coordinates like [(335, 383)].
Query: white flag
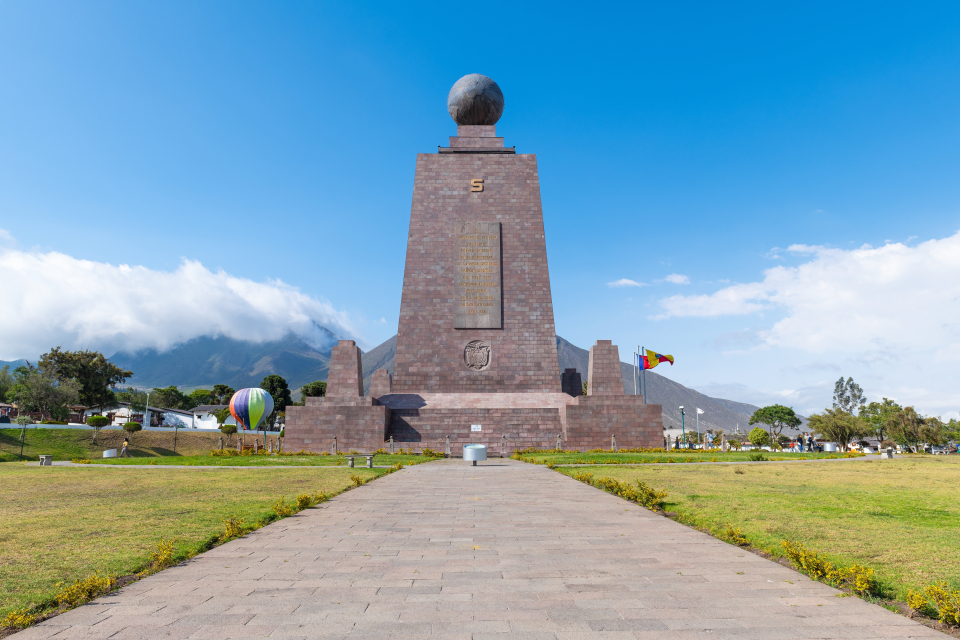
[(699, 410)]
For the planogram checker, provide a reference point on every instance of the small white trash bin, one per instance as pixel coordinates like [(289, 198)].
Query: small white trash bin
[(474, 452), (110, 453)]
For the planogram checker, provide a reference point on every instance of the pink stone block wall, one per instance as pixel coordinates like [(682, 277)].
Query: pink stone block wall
[(603, 370), (345, 377)]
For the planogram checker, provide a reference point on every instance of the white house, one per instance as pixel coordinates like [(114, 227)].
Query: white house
[(122, 412), (203, 417)]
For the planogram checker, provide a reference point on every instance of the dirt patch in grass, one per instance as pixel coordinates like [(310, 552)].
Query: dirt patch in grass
[(62, 524)]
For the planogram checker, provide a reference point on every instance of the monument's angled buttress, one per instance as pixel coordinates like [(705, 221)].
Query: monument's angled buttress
[(476, 313)]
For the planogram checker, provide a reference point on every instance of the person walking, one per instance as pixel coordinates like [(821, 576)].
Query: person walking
[(123, 450)]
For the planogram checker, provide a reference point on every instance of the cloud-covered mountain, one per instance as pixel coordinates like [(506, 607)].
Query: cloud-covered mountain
[(55, 299)]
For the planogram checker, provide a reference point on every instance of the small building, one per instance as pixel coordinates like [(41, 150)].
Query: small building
[(122, 412), (6, 409), (203, 417)]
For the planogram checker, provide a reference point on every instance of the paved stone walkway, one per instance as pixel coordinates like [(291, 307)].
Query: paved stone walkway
[(505, 549)]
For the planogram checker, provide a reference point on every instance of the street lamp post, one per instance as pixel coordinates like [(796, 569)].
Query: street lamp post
[(683, 426)]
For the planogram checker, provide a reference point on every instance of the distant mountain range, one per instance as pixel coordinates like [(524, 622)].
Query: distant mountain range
[(204, 362)]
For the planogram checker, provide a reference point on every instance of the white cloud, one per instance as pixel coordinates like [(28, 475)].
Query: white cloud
[(676, 278), (53, 299), (862, 300), (5, 236), (626, 282)]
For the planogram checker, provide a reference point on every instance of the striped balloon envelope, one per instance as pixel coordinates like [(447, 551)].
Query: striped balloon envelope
[(250, 406)]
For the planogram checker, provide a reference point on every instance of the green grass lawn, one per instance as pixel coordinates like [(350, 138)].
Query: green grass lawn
[(692, 456), (66, 444), (901, 517), (62, 524), (266, 461)]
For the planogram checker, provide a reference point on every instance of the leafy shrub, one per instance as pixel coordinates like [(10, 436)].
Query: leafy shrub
[(228, 429), (397, 466), (161, 558), (758, 456), (83, 590), (758, 437), (357, 480), (282, 509), (937, 600), (20, 619), (642, 494), (858, 578), (427, 452), (80, 461), (734, 536), (304, 501), (132, 427), (98, 422), (232, 528), (52, 422)]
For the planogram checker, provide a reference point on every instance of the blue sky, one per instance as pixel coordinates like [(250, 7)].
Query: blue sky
[(274, 144)]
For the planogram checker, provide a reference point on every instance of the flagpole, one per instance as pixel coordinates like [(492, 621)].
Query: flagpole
[(644, 375)]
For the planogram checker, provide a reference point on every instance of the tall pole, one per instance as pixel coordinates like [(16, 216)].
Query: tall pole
[(636, 372), (698, 423), (146, 413), (683, 426), (643, 374)]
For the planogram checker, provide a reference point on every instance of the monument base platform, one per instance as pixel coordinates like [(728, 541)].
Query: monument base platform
[(504, 422)]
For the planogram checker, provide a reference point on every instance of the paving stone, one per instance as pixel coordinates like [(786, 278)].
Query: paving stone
[(543, 556)]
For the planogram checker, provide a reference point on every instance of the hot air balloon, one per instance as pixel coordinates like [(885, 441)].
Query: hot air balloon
[(250, 407)]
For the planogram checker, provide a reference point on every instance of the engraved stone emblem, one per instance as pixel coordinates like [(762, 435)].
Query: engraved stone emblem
[(476, 355)]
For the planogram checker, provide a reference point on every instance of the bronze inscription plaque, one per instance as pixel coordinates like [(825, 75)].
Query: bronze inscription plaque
[(479, 296)]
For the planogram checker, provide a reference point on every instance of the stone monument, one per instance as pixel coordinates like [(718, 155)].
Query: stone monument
[(476, 359)]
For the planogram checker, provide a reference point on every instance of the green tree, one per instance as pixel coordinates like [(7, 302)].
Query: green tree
[(758, 437), (135, 397), (848, 396), (170, 398), (200, 396), (228, 430), (839, 426), (222, 393), (92, 372), (776, 417), (6, 384), (131, 428), (41, 391), (904, 426), (277, 387), (878, 414), (735, 442), (313, 389), (97, 422), (934, 431)]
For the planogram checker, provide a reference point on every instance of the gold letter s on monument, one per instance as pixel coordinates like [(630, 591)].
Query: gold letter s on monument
[(476, 184)]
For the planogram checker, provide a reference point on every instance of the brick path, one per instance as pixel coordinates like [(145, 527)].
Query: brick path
[(504, 549)]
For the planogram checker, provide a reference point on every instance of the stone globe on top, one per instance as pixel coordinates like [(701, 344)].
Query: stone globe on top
[(475, 99)]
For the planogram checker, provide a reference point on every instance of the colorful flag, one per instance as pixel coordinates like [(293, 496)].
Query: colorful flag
[(653, 358)]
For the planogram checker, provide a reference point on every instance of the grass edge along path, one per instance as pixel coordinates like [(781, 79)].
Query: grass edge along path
[(298, 459), (84, 590), (936, 605), (559, 457)]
